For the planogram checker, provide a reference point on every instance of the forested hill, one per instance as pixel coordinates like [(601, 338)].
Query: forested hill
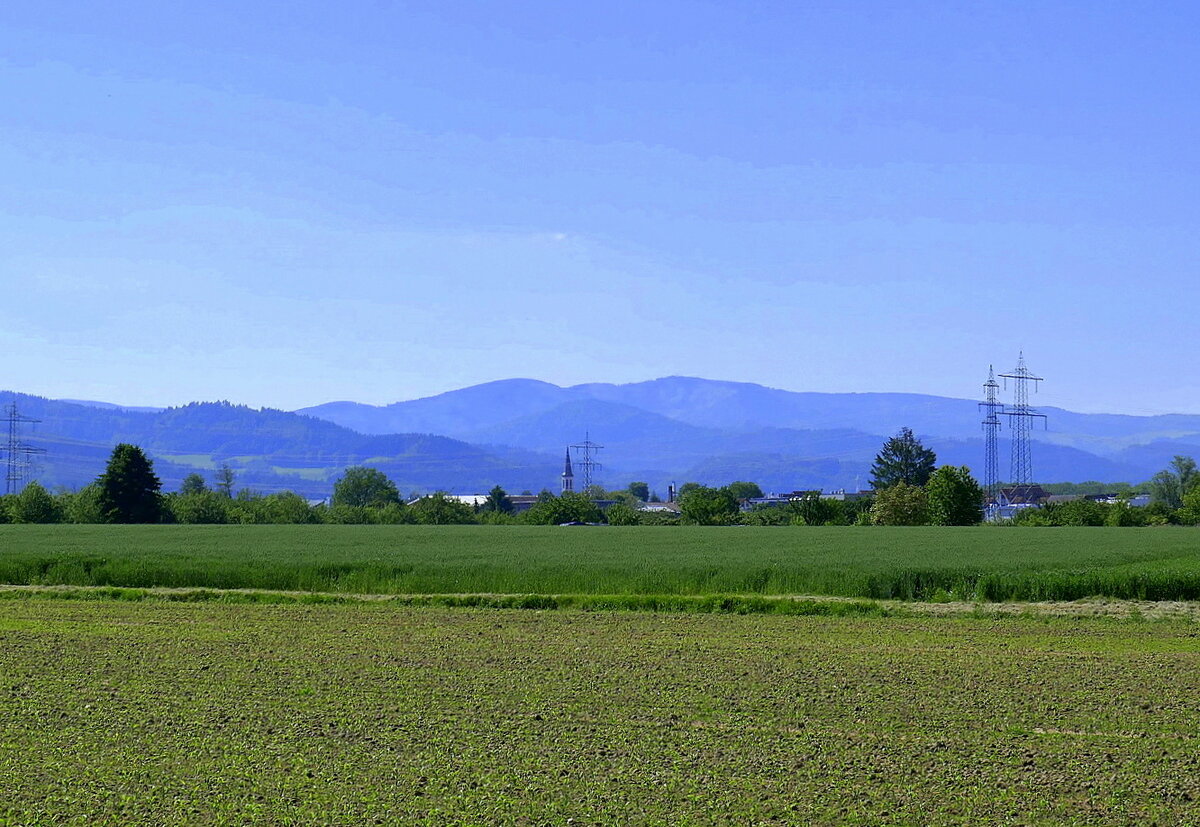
[(513, 433), (270, 449)]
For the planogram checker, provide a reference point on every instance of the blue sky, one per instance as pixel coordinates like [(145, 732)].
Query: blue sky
[(288, 203)]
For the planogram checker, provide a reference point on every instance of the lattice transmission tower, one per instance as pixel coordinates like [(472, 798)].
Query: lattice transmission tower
[(585, 461), (992, 407), (1020, 421), (18, 456)]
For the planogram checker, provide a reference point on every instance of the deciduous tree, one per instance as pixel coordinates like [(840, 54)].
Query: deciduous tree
[(201, 507), (744, 490), (571, 507), (361, 486), (621, 514), (225, 478), (34, 505), (708, 506), (955, 497), (640, 490), (900, 504), (439, 509), (1173, 484), (193, 484)]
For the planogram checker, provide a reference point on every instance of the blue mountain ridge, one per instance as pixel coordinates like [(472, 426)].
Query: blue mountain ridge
[(513, 432)]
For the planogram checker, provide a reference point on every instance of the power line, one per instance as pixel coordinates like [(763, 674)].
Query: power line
[(992, 408), (1020, 421), (584, 453), (18, 455)]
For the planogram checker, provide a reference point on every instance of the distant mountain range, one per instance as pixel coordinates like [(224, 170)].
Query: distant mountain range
[(513, 432)]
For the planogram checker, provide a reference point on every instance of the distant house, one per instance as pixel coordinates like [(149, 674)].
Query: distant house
[(660, 508), (770, 500), (1064, 498), (522, 502), (846, 496), (473, 500), (1022, 495), (1135, 501), (1015, 498)]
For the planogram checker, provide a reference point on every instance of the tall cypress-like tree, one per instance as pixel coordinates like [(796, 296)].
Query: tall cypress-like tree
[(129, 489), (902, 459)]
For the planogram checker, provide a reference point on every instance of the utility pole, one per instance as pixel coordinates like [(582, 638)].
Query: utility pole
[(18, 455), (584, 459), (1020, 421), (992, 408)]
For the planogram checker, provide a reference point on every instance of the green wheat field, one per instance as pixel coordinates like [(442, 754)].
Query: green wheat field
[(979, 563), (474, 675)]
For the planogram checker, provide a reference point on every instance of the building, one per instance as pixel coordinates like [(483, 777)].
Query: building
[(660, 508), (1063, 498), (847, 496), (522, 502), (1021, 495), (568, 475), (841, 495), (1012, 499)]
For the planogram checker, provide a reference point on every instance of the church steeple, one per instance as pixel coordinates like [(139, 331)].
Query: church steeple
[(568, 475)]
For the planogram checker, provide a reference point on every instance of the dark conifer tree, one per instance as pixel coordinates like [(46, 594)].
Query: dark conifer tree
[(497, 500), (902, 459), (129, 489)]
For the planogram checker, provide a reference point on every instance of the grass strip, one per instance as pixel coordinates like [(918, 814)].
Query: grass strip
[(686, 604)]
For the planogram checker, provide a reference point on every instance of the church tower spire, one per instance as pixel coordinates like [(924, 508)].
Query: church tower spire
[(568, 475)]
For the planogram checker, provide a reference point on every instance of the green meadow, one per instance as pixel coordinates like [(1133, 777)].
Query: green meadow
[(929, 564)]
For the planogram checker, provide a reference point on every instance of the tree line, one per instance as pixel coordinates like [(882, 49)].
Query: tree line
[(908, 489)]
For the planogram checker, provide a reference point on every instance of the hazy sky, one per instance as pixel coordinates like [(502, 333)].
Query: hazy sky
[(289, 203)]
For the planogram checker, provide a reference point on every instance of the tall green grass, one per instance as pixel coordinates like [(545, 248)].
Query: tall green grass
[(909, 564)]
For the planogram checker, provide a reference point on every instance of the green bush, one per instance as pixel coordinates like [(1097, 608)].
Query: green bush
[(201, 508), (814, 509), (1032, 517), (1189, 514), (1122, 516), (288, 507), (708, 506), (770, 515), (1076, 513), (83, 506), (344, 514), (621, 514), (955, 498), (571, 507), (900, 505), (658, 518), (439, 509), (34, 505), (393, 514), (497, 518)]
